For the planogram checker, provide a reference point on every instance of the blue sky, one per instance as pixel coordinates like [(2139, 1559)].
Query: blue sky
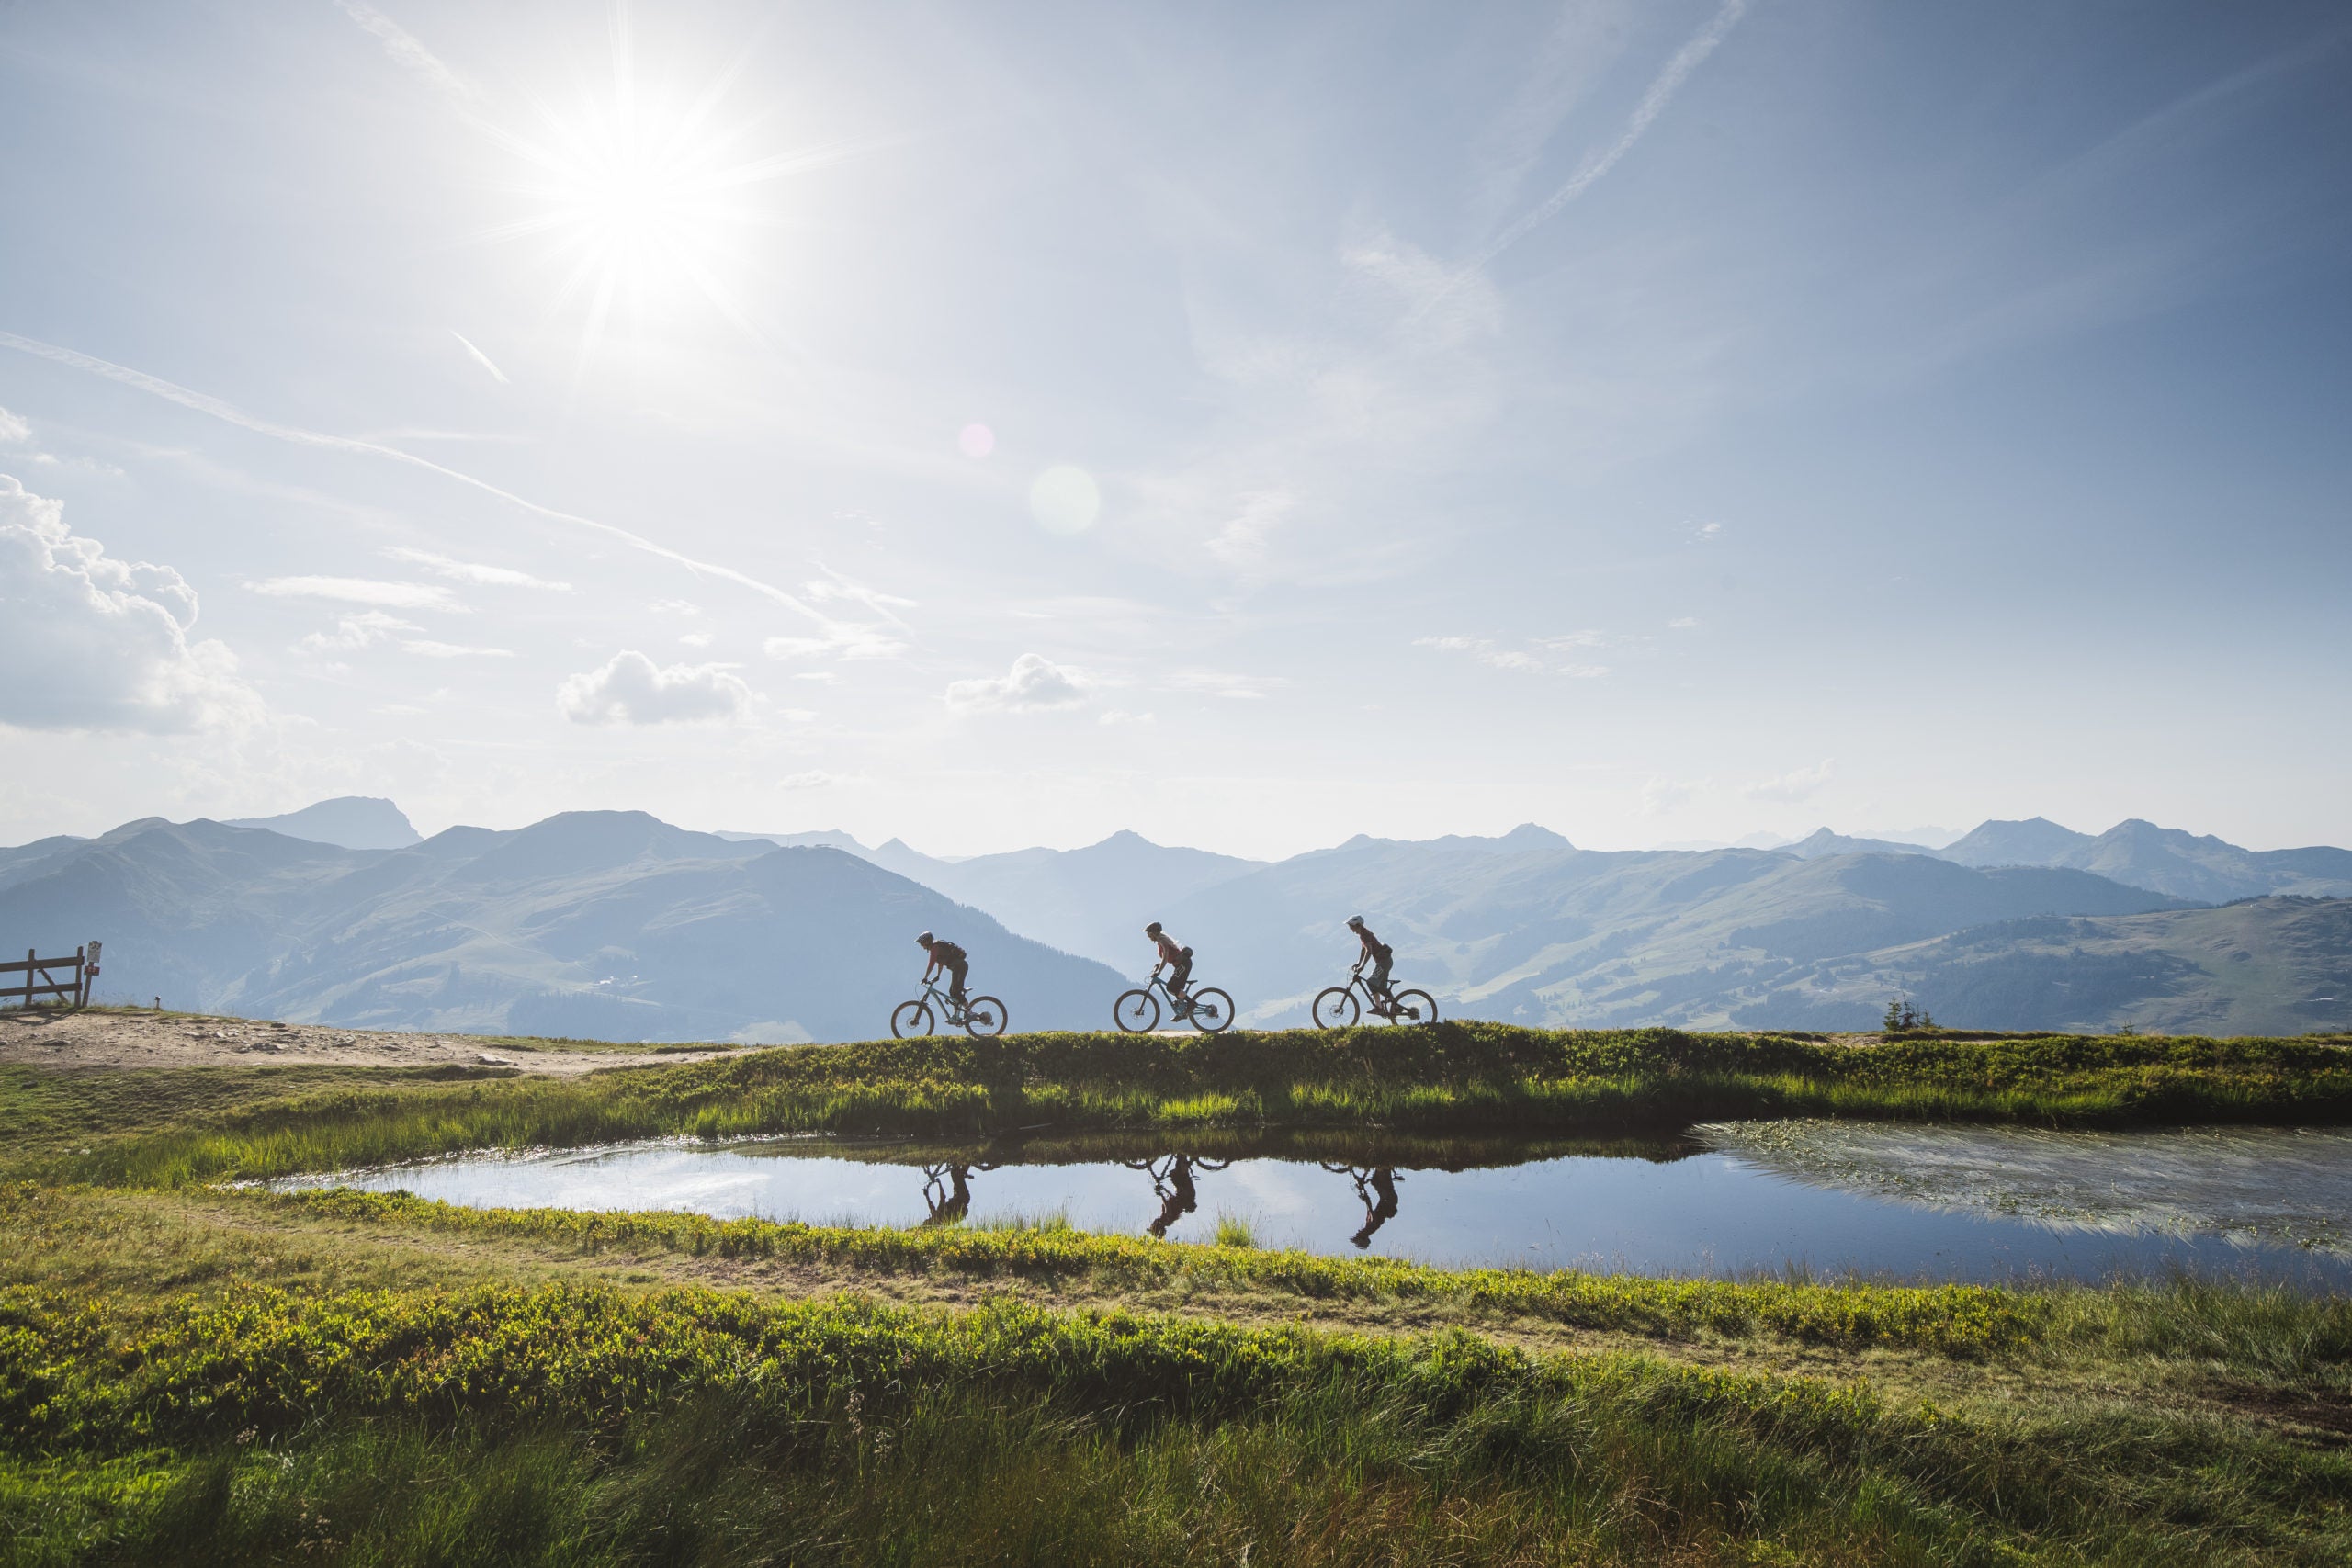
[(996, 425)]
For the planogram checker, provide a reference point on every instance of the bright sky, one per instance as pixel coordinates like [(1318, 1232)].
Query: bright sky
[(1252, 425)]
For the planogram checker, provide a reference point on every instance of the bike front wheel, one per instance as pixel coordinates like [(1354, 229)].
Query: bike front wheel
[(1137, 1013), (1414, 1006), (912, 1021), (1212, 1010), (984, 1017), (1337, 1008)]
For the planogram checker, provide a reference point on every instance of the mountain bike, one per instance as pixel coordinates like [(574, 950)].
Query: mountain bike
[(1206, 1007), (1337, 1008), (982, 1018)]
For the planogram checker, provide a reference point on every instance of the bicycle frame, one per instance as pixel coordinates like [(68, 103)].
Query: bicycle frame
[(948, 1011)]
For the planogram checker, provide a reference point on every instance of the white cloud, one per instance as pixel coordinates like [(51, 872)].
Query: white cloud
[(1566, 641), (1485, 651), (1223, 683), (1707, 531), (1584, 672), (674, 607), (1802, 785), (833, 585), (431, 650), (474, 571), (90, 642), (816, 778), (841, 639), (1242, 541), (1119, 717), (360, 590), (1681, 622), (631, 689), (827, 676), (1033, 684), (410, 56), (695, 639), (1664, 797), (14, 430), (353, 633)]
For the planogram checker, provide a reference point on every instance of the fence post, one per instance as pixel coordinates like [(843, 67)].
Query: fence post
[(89, 968)]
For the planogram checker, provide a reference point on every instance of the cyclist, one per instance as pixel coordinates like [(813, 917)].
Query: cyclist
[(948, 957), (1380, 954), (1180, 965)]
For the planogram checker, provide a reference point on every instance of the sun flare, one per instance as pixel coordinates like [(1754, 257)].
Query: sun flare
[(647, 200)]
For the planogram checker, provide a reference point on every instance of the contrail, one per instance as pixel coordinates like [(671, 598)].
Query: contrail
[(156, 386), (479, 357), (409, 55), (1678, 69)]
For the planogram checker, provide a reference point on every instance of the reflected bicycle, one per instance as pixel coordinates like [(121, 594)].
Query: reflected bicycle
[(1336, 1007), (1206, 1007), (982, 1018)]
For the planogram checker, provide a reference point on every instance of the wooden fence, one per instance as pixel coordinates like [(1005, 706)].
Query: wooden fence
[(40, 976)]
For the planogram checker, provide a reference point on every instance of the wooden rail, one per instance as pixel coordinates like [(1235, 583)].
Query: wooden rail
[(41, 977)]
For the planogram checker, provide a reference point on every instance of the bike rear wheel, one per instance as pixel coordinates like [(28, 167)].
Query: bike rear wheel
[(912, 1020), (1414, 1006), (1337, 1008), (1212, 1010), (984, 1017), (1137, 1013)]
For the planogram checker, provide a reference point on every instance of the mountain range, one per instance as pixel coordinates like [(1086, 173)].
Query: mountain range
[(617, 926)]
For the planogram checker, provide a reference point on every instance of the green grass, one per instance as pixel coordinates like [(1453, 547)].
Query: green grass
[(205, 1124), (581, 1426)]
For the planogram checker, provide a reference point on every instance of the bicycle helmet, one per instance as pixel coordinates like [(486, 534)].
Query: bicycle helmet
[(923, 941), (1356, 921), (1152, 929)]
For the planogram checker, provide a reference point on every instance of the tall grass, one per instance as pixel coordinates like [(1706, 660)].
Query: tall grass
[(584, 1427)]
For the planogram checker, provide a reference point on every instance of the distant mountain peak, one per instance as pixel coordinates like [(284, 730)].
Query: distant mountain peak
[(349, 821)]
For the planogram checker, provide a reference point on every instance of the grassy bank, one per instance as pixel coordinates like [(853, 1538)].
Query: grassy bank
[(587, 1425), (1453, 1078)]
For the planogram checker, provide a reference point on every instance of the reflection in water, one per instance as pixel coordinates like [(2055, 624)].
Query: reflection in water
[(947, 1190), (1909, 1200), (1172, 1179), (1376, 1190)]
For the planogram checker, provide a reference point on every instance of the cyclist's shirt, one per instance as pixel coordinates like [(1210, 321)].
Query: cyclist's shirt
[(1373, 946), (1170, 952), (947, 955)]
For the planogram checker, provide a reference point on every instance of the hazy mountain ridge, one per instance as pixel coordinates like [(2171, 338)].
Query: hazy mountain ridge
[(616, 924), (2134, 853), (350, 821), (606, 924)]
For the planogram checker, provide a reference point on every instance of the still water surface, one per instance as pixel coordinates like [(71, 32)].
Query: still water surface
[(1835, 1198)]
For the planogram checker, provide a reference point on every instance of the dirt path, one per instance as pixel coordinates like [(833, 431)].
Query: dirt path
[(112, 1040)]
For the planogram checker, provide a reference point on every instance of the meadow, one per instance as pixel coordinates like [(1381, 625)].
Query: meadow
[(193, 1371)]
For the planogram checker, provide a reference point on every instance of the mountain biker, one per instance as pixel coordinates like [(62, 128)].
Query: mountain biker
[(1178, 961), (945, 955), (1380, 954)]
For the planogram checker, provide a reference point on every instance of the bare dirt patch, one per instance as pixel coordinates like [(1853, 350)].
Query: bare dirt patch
[(98, 1040)]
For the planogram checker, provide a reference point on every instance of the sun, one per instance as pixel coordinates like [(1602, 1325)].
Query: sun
[(647, 200)]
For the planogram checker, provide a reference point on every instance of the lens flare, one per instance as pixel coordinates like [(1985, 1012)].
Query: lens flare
[(977, 440), (1065, 500)]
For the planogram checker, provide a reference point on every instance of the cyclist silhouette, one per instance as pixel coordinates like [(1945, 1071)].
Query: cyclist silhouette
[(946, 956), (1178, 961), (1381, 955)]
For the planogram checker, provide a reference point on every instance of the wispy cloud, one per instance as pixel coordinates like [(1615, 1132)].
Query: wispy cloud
[(841, 639), (1661, 92), (471, 571), (360, 590), (410, 55), (14, 430), (1487, 652), (1223, 684), (201, 402), (353, 633), (431, 650), (1803, 784), (479, 357)]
